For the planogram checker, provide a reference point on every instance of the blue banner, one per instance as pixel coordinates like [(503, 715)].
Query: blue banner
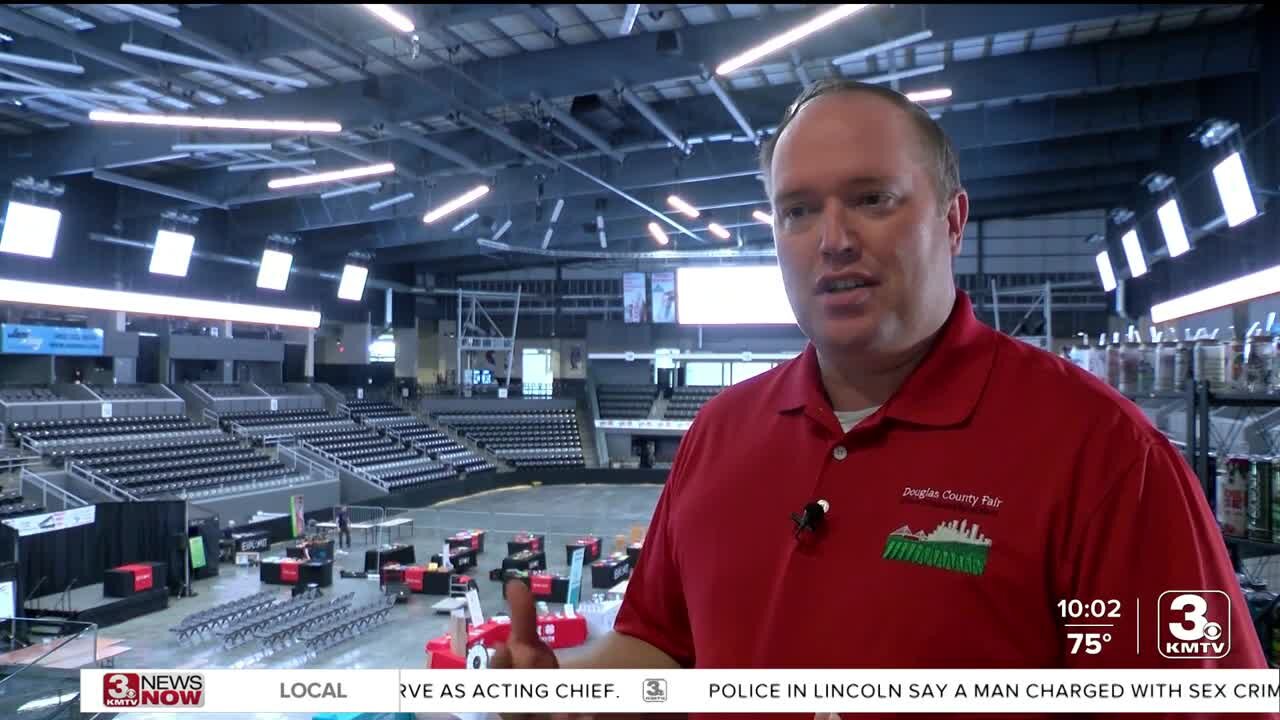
[(575, 577), (49, 340)]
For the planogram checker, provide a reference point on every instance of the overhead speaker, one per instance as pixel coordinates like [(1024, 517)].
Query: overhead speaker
[(669, 43)]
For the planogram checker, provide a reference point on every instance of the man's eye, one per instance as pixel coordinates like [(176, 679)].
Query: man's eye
[(793, 213), (876, 199)]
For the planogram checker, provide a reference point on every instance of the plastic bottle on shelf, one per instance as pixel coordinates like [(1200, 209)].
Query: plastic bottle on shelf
[(1181, 359), (1233, 374), (1113, 361), (1098, 359), (1259, 362), (1163, 370)]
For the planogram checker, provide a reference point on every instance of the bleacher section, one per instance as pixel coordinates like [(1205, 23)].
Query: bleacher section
[(685, 402), (281, 424), (388, 461), (525, 438), (626, 402), (224, 390), (193, 469), (43, 434), (373, 412), (12, 505), (28, 394), (126, 392)]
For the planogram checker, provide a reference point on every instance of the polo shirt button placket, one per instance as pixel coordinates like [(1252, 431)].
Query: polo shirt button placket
[(839, 453)]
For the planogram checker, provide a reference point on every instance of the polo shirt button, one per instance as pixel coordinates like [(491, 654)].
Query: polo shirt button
[(839, 453)]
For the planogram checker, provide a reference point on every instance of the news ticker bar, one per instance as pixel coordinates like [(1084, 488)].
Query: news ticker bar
[(703, 691)]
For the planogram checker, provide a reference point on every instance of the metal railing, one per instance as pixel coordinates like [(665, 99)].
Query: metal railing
[(87, 632), (298, 460), (79, 471), (208, 415), (46, 487), (360, 473)]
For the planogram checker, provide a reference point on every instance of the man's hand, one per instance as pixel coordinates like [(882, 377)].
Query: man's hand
[(523, 649)]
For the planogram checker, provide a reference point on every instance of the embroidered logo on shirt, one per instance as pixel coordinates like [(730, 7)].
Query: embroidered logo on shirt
[(956, 546)]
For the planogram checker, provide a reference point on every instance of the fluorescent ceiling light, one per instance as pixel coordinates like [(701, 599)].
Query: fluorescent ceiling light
[(555, 212), (68, 296), (5, 38), (604, 240), (462, 200), (762, 216), (363, 187), (1175, 232), (223, 147), (629, 18), (30, 230), (1233, 189), (903, 41), (472, 218), (1250, 287), (903, 74), (41, 63), (147, 14), (391, 16), (331, 176), (212, 66), (1133, 254), (273, 271), (502, 230), (682, 206), (391, 201), (172, 253), (546, 239), (42, 90), (1105, 271), (274, 165), (351, 287), (789, 37), (216, 123), (718, 230), (924, 96), (658, 233)]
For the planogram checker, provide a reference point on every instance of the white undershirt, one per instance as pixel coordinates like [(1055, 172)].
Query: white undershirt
[(849, 418)]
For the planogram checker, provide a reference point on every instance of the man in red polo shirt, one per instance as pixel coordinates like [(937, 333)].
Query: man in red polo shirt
[(976, 486)]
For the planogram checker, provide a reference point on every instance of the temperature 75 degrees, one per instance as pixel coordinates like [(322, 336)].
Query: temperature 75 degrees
[(1091, 642)]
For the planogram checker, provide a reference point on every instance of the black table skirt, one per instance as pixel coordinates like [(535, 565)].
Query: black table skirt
[(536, 543), (476, 543), (534, 561), (313, 571), (461, 559), (608, 573), (252, 541), (591, 555), (402, 554)]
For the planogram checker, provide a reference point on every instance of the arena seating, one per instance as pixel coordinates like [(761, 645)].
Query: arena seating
[(388, 461), (685, 402), (436, 444), (525, 438), (222, 390), (12, 505), (281, 423), (122, 392), (371, 412), (192, 469), (626, 402), (44, 433), (276, 389), (27, 394)]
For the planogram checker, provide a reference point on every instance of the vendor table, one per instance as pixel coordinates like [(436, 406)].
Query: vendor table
[(526, 541), (319, 550), (592, 545), (526, 560), (607, 572), (473, 539), (290, 571), (402, 554), (461, 558)]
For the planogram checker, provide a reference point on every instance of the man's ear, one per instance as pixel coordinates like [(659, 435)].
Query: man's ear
[(957, 217)]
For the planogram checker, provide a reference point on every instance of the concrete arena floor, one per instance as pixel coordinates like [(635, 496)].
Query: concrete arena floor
[(562, 512)]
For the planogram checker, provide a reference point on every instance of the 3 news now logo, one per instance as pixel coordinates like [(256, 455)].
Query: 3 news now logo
[(129, 690), (1194, 624)]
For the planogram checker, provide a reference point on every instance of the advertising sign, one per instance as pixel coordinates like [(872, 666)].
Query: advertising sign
[(48, 340), (633, 297), (664, 297)]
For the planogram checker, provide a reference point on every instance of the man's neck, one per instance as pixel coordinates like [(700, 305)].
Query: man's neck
[(856, 382)]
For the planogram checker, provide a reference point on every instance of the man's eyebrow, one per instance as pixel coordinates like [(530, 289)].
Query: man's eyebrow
[(849, 183)]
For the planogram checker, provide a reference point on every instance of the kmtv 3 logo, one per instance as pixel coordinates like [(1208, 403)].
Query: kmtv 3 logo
[(1194, 624), (132, 690)]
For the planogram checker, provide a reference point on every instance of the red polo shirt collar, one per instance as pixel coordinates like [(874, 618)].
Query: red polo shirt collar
[(943, 390)]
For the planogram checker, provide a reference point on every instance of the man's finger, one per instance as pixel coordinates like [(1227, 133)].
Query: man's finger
[(502, 659), (524, 617)]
